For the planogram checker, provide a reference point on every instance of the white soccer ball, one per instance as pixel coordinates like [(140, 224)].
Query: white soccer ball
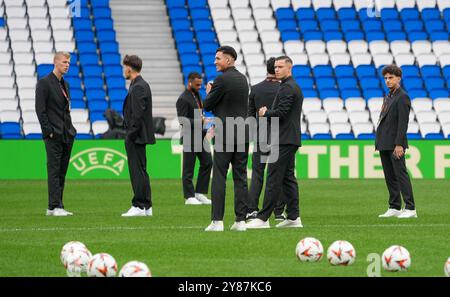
[(396, 258), (447, 268), (341, 252), (102, 265), (70, 247), (135, 269), (309, 249), (77, 262)]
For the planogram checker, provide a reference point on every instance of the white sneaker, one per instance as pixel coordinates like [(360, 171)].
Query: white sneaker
[(60, 212), (202, 198), (149, 212), (407, 213), (239, 226), (192, 201), (297, 223), (134, 212), (49, 212), (215, 226), (252, 215), (258, 224), (391, 213)]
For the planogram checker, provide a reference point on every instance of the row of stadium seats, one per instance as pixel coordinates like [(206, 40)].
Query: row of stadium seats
[(333, 69), (34, 30)]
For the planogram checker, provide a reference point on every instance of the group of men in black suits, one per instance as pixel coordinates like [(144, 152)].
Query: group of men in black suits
[(278, 99)]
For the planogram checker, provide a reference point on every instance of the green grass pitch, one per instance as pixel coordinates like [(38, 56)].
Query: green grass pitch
[(173, 242)]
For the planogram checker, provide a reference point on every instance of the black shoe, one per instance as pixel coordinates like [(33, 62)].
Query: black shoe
[(280, 217)]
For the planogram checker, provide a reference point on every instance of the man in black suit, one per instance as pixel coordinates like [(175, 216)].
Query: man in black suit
[(228, 100), (262, 94), (138, 121), (392, 143), (286, 108), (190, 114), (53, 111)]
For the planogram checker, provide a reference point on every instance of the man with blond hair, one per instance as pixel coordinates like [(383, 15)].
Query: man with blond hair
[(53, 111)]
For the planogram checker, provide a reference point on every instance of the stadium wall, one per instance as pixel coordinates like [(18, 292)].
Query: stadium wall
[(105, 159)]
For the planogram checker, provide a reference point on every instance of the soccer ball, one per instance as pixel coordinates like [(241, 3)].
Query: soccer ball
[(447, 268), (396, 258), (309, 249), (102, 265), (341, 252), (77, 262), (70, 247), (135, 269)]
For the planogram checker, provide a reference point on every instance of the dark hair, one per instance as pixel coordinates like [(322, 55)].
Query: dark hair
[(392, 69), (271, 65), (194, 75), (227, 50), (285, 58), (134, 62)]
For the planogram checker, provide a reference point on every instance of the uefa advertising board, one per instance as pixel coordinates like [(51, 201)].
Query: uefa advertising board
[(107, 159)]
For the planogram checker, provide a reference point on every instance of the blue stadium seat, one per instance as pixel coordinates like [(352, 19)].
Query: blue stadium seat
[(301, 70), (366, 136), (365, 71), (117, 106), (175, 4), (190, 59), (10, 130), (285, 14), (350, 25), (305, 14), (111, 59), (200, 14), (96, 116), (440, 35), (287, 25), (117, 82), (95, 94), (354, 35), (92, 71), (2, 22), (88, 59), (77, 103), (93, 83), (430, 71), (117, 95), (74, 70), (189, 69), (439, 93), (110, 71), (322, 136), (345, 136), (308, 25), (206, 36), (347, 83), (417, 35), (208, 60), (44, 70), (323, 71), (434, 25), (197, 3), (187, 48), (429, 14), (74, 82), (208, 48), (372, 25), (435, 83), (33, 136), (325, 14), (181, 25), (446, 14), (413, 136), (312, 35), (410, 71), (413, 83), (344, 71), (372, 93), (413, 25), (333, 35), (417, 93), (210, 72), (389, 14), (83, 136), (306, 82), (290, 35), (309, 93), (305, 136), (407, 14), (446, 72), (375, 35), (392, 25), (80, 24), (87, 48), (109, 47), (104, 24), (184, 36), (347, 13), (370, 83), (106, 35), (363, 15), (102, 12), (396, 35), (178, 14), (203, 25), (98, 105), (329, 93), (100, 3), (84, 35), (350, 93), (434, 136)]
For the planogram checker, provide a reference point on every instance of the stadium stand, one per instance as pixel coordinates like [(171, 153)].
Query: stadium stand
[(339, 48)]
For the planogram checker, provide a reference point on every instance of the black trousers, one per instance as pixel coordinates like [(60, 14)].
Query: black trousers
[(204, 173), (397, 181), (256, 185), (137, 166), (238, 161), (281, 180), (58, 156)]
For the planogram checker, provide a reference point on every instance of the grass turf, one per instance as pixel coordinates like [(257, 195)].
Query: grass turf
[(173, 242)]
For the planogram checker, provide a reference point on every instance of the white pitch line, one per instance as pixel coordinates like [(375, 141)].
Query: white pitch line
[(6, 230)]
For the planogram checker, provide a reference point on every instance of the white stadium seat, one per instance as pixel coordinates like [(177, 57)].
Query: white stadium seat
[(338, 4), (262, 13), (6, 82), (248, 36), (336, 47), (426, 116), (427, 128), (421, 104), (294, 47), (444, 117), (31, 128), (99, 127), (223, 25), (362, 128), (30, 117), (421, 47), (355, 104), (299, 59), (446, 130), (83, 127), (259, 3), (358, 47), (441, 47), (444, 60), (339, 59), (17, 23), (266, 25), (318, 128), (10, 104), (400, 47), (422, 4), (270, 37), (241, 13), (35, 3), (251, 48), (356, 117), (401, 4), (379, 47), (23, 58), (227, 36), (311, 104), (28, 104), (273, 48), (280, 3), (443, 4), (413, 127), (426, 59), (404, 59), (217, 3), (254, 59), (361, 59), (38, 23), (315, 47), (318, 59), (238, 3), (321, 4), (9, 116), (375, 104), (318, 116), (382, 59), (333, 104), (441, 105), (221, 13), (296, 4), (37, 13), (337, 117), (243, 25), (340, 128)]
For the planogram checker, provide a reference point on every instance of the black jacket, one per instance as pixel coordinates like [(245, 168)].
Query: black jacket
[(287, 106), (137, 112), (52, 107), (229, 98), (393, 122), (192, 110)]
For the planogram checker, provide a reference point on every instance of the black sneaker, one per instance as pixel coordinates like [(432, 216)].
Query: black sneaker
[(280, 217)]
